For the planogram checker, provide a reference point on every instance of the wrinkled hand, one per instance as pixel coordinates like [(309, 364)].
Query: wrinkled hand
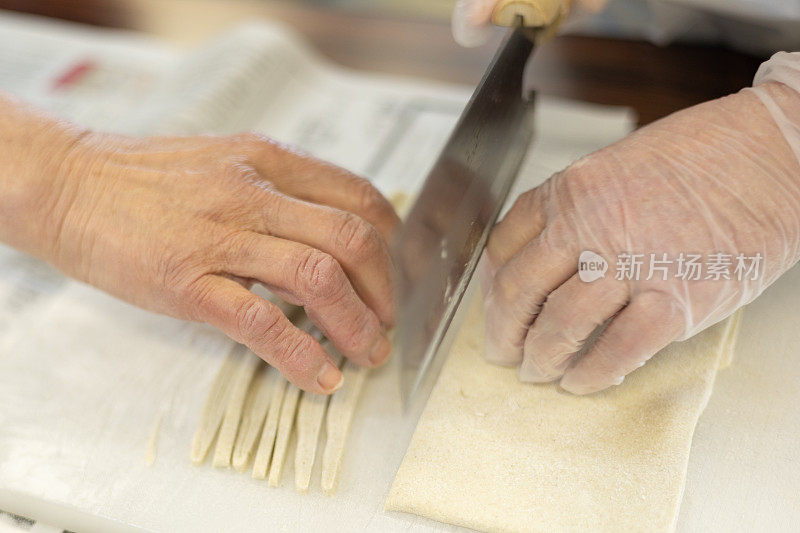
[(718, 177), (183, 226)]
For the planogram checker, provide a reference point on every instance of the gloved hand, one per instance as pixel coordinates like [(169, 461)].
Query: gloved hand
[(720, 180), (184, 225), (472, 19)]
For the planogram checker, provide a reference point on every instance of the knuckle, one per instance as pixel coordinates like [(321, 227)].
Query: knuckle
[(251, 141), (549, 343), (526, 200), (357, 332), (505, 286), (542, 356), (510, 286), (356, 237), (256, 322), (319, 276), (235, 172), (549, 365), (557, 305), (656, 302), (234, 246), (606, 360), (559, 340), (531, 203), (551, 240), (369, 199), (289, 351), (170, 268), (558, 318), (183, 280), (197, 296), (581, 169), (559, 349)]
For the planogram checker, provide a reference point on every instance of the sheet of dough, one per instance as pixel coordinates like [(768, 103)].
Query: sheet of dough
[(494, 454)]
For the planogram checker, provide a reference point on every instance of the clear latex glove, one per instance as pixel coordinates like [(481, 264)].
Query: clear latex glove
[(720, 177), (783, 68), (472, 19)]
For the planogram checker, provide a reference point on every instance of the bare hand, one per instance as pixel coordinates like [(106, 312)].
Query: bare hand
[(183, 226)]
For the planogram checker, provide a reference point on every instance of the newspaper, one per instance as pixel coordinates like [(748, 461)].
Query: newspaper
[(96, 78)]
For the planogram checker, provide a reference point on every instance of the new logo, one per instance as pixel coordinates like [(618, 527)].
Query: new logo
[(591, 266)]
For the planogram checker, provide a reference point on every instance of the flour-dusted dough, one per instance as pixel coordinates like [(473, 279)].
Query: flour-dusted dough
[(215, 406), (310, 414), (495, 454), (341, 409), (267, 442), (285, 425), (253, 415), (233, 411)]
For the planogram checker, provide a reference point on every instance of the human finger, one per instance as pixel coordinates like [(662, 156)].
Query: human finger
[(518, 291), (259, 324), (353, 242), (314, 279), (524, 221), (311, 179), (569, 316), (645, 326)]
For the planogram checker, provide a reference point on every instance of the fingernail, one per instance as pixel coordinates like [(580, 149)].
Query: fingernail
[(380, 351), (330, 378)]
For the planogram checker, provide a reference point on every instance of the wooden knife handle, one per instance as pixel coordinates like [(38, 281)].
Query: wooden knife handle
[(545, 14)]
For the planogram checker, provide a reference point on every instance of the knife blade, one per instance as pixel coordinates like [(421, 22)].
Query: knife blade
[(437, 248)]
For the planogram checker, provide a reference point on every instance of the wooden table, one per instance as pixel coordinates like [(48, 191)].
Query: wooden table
[(653, 80)]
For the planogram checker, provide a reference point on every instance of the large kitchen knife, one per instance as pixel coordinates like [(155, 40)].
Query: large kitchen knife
[(438, 246)]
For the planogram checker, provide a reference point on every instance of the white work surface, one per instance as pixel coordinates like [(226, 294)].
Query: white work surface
[(85, 378)]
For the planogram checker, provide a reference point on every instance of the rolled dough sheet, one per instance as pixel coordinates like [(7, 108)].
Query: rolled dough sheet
[(494, 454)]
